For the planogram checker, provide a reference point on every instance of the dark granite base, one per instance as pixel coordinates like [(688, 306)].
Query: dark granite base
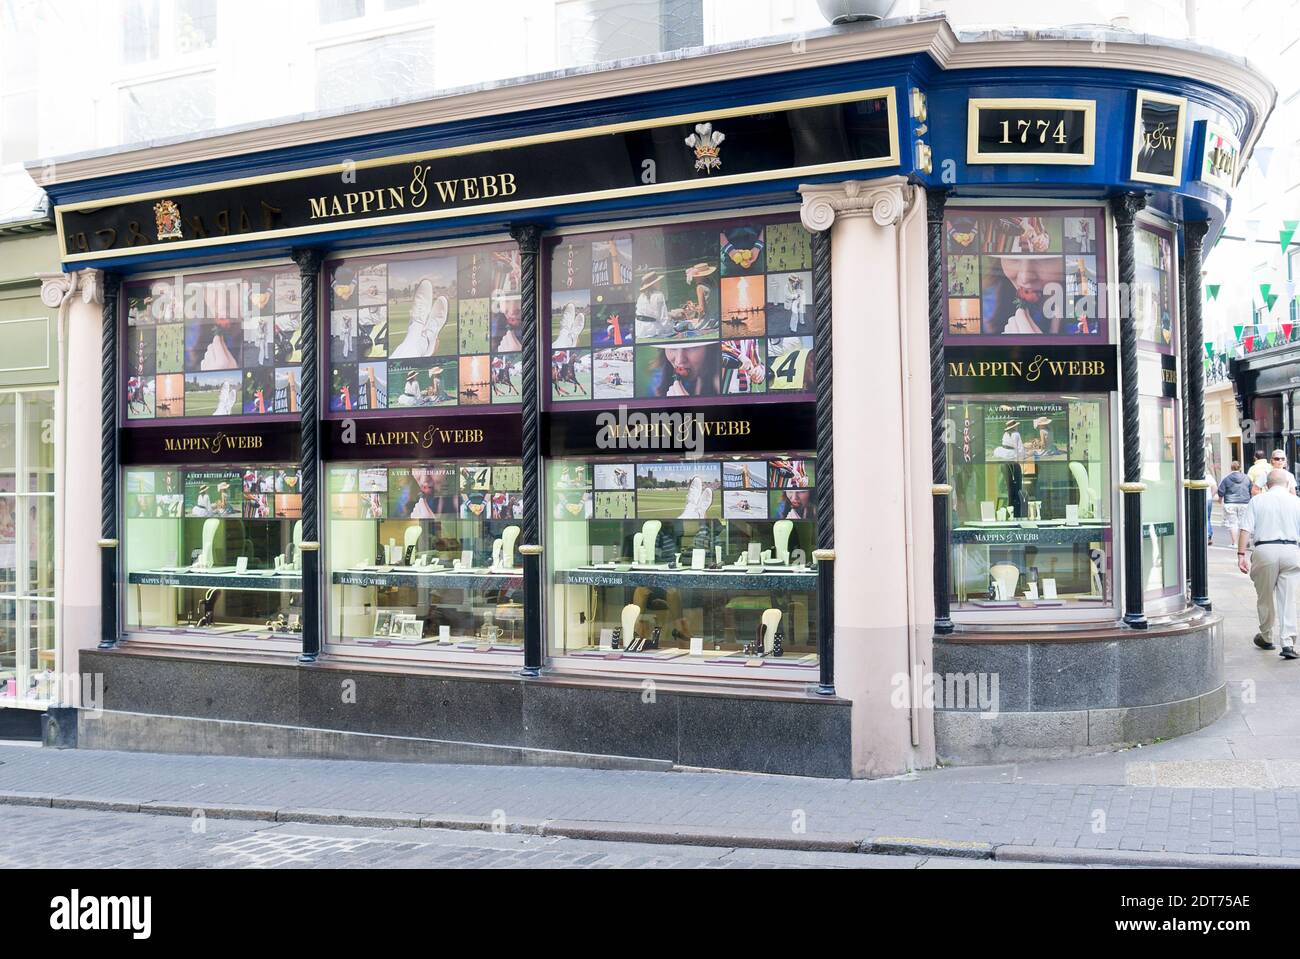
[(1057, 698), (785, 732), (24, 724)]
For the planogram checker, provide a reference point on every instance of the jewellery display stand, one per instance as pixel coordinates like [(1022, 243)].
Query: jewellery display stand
[(781, 531), (504, 559)]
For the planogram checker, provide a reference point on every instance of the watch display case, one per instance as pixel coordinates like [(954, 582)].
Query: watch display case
[(423, 557), (704, 561), (214, 552), (1031, 501)]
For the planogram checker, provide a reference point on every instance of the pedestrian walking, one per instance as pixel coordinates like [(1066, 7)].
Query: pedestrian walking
[(1272, 520), (1234, 493), (1258, 473)]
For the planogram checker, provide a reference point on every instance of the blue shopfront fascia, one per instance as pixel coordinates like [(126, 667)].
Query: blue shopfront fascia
[(944, 131)]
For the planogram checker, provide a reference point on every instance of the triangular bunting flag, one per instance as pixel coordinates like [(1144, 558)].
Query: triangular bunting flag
[(1237, 331), (1249, 343), (1213, 290), (1286, 330), (1209, 349), (1287, 232), (1269, 297)]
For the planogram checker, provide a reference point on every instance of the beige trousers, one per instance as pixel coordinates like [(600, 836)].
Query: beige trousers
[(1275, 571)]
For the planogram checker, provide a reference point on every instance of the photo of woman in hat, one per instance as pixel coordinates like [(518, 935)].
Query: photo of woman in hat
[(652, 317)]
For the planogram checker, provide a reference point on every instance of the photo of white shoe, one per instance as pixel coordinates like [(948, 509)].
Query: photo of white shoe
[(428, 317), (698, 500), (571, 327)]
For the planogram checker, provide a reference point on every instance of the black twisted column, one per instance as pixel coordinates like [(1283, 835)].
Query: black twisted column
[(309, 264), (109, 542), (1184, 360), (1125, 207), (529, 238), (1197, 486), (824, 490), (940, 489)]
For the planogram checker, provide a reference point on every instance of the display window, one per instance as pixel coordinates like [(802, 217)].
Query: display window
[(1155, 312), (212, 345), (1161, 557), (1022, 274), (423, 330), (1031, 500), (1153, 299), (654, 314), (422, 558), (28, 657), (702, 562), (214, 552)]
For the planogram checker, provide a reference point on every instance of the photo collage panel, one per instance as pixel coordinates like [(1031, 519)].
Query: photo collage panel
[(719, 308), (417, 331), (214, 344), (465, 491), (1024, 273), (756, 489), (1153, 304), (253, 493)]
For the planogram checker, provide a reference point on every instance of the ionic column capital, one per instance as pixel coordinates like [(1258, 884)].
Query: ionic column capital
[(886, 201), (57, 288)]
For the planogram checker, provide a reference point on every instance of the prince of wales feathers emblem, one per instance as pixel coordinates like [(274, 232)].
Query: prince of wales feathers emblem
[(707, 143)]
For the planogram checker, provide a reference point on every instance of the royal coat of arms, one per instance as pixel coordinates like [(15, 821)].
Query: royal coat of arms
[(707, 143), (168, 217)]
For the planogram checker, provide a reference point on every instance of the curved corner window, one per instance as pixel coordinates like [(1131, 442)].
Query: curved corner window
[(1031, 524), (1024, 275)]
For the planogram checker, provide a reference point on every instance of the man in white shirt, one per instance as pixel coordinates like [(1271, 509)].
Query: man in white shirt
[(1273, 521)]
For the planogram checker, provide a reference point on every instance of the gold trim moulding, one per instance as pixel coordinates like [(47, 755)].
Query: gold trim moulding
[(941, 489), (309, 547), (1088, 107), (889, 94), (108, 544), (824, 555), (1132, 487), (1196, 484), (531, 550)]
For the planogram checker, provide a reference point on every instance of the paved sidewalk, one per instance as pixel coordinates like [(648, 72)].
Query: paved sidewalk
[(928, 814)]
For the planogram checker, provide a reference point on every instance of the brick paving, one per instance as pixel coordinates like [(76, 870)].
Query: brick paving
[(62, 838), (1259, 822)]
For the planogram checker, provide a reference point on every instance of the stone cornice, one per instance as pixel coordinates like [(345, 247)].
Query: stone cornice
[(932, 36), (885, 200)]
